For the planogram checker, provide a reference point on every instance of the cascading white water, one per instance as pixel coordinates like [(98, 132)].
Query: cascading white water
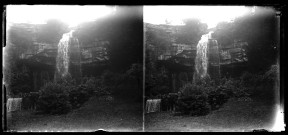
[(62, 60), (153, 105), (14, 104), (201, 60), (68, 53)]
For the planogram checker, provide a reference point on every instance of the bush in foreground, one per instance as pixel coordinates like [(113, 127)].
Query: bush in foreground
[(217, 97), (62, 96), (200, 97), (54, 99), (78, 95), (193, 100)]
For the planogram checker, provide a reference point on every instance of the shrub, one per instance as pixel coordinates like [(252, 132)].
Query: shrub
[(160, 90), (89, 86), (108, 78), (204, 95), (78, 95), (193, 100), (250, 80), (227, 85), (261, 84), (217, 97), (234, 88), (59, 97), (30, 100), (271, 76), (54, 99)]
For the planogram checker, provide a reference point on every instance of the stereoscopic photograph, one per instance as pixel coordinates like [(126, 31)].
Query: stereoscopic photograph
[(113, 68), (211, 69), (73, 68)]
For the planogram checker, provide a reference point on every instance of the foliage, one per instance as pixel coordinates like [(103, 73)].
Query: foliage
[(78, 95), (30, 100), (159, 38), (54, 99), (90, 86), (272, 74), (247, 78), (217, 97), (95, 86), (52, 31), (262, 83), (224, 33), (124, 33), (17, 79), (233, 87), (260, 30), (125, 85), (159, 89), (111, 80), (191, 32), (193, 100), (205, 95), (157, 81), (67, 94)]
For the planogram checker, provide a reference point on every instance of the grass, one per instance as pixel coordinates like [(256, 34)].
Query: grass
[(120, 115), (239, 116)]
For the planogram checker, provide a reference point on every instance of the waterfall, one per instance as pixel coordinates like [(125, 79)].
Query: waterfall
[(207, 49), (66, 48), (201, 60), (14, 104), (153, 105), (62, 59)]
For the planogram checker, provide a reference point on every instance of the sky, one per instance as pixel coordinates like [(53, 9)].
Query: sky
[(39, 14), (73, 15), (211, 15)]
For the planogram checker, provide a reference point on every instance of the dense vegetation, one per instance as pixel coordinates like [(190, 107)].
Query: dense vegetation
[(62, 96), (203, 96), (261, 30)]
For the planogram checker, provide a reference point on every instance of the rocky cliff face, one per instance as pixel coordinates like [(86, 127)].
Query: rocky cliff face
[(229, 54), (45, 53), (40, 57)]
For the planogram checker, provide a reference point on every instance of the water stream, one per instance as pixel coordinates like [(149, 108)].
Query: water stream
[(201, 60), (64, 53), (207, 55)]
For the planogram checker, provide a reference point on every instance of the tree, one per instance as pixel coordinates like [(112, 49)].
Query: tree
[(191, 32), (158, 38), (224, 33), (52, 32), (123, 30), (259, 29)]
